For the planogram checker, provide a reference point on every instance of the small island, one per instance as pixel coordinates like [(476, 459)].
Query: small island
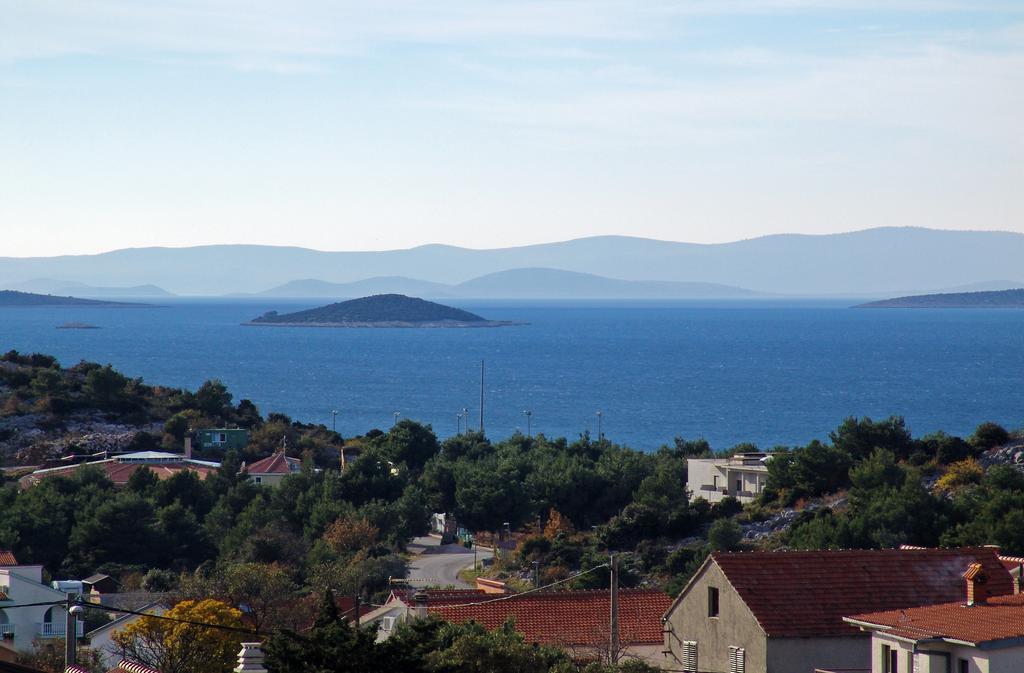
[(994, 299), (381, 310), (77, 325), (13, 298)]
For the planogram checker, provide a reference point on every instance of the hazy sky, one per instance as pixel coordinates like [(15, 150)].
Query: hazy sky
[(391, 123)]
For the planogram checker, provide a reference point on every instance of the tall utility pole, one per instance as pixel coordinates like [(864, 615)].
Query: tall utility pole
[(334, 420), (613, 641), (529, 424), (481, 397), (600, 435), (70, 632)]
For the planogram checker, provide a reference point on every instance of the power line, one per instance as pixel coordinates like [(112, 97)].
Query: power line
[(33, 605), (126, 611), (533, 591)]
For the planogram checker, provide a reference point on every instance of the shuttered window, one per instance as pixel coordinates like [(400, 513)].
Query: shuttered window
[(737, 660), (690, 656)]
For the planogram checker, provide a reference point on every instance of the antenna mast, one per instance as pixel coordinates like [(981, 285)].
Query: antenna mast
[(481, 397)]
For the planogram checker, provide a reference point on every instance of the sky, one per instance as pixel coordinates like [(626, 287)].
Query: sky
[(388, 124)]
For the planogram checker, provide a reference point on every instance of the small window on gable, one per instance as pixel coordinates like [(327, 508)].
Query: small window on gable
[(259, 480), (712, 601)]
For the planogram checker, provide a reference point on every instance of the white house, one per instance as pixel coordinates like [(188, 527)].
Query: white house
[(20, 626), (101, 640), (980, 634), (742, 476)]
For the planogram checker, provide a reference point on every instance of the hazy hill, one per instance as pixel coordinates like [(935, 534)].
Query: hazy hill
[(870, 262), (64, 287), (1000, 299), (379, 285), (515, 284), (382, 309), (558, 284), (28, 299)]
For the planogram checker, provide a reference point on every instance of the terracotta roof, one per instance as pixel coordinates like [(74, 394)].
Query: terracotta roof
[(1000, 618), (120, 473), (7, 558), (278, 463), (807, 593), (568, 618)]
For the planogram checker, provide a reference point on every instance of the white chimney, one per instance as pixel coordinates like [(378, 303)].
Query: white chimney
[(250, 659), (188, 447)]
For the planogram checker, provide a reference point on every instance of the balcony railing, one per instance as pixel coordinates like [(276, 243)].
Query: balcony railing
[(56, 629), (6, 630)]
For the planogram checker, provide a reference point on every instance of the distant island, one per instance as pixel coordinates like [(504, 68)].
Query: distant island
[(14, 298), (381, 310), (77, 325), (996, 299)]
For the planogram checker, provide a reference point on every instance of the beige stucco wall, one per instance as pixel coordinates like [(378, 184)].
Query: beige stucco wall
[(803, 655), (267, 479), (735, 626), (995, 660)]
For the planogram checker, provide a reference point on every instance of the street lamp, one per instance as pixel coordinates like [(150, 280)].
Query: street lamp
[(396, 414), (334, 420), (458, 423), (465, 414), (600, 436), (529, 426)]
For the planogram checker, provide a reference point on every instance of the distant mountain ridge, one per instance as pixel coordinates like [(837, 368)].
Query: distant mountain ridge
[(13, 298), (871, 262), (515, 284), (64, 287), (998, 299)]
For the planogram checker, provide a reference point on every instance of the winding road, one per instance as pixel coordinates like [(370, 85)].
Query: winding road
[(435, 565)]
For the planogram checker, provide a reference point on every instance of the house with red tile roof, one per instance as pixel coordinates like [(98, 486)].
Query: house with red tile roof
[(977, 634), (783, 611), (273, 469), (119, 469), (576, 621)]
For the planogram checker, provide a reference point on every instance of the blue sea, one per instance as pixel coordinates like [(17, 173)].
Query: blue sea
[(765, 372)]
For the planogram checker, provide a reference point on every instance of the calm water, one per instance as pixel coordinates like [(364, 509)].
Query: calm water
[(767, 373)]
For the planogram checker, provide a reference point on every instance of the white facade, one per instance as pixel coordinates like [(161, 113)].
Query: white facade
[(101, 640), (742, 476), (21, 626), (894, 655)]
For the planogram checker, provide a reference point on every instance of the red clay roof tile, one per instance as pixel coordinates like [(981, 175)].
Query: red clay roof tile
[(568, 618), (278, 463), (7, 558), (1000, 618), (807, 593)]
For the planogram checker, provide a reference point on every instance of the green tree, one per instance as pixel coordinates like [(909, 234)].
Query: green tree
[(860, 436), (725, 535)]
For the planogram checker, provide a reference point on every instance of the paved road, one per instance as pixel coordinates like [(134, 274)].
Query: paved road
[(435, 565)]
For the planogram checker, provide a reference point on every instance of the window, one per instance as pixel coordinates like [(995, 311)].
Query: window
[(387, 623), (739, 485), (712, 601), (737, 660), (690, 656), (259, 480), (890, 659), (714, 481), (964, 666), (222, 437)]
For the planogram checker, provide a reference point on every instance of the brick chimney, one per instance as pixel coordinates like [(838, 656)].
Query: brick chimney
[(977, 581)]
